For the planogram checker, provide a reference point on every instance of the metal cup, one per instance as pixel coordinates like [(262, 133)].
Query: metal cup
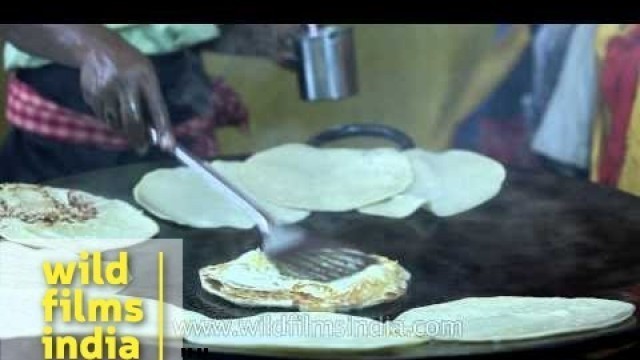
[(327, 67)]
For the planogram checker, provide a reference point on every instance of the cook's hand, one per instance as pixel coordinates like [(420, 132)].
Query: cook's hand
[(118, 82), (122, 88)]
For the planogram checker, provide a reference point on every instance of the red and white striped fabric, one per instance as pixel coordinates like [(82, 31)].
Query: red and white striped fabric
[(29, 111)]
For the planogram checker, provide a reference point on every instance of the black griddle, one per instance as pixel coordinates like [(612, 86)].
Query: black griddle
[(543, 235)]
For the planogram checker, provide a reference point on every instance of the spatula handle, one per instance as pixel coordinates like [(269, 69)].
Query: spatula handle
[(218, 183)]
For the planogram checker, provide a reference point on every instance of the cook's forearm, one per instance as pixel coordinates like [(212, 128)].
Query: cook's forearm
[(67, 44)]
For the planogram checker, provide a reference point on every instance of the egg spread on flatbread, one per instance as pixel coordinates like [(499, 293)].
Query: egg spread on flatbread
[(64, 219), (252, 280)]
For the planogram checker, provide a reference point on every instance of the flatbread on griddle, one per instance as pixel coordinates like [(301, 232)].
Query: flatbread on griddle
[(491, 319), (304, 177), (423, 188), (252, 280), (56, 218), (180, 195), (446, 183), (507, 318), (465, 180)]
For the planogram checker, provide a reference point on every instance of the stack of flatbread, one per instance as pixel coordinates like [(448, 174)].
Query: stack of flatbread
[(293, 180)]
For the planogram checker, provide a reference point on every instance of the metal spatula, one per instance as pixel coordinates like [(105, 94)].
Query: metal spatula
[(295, 251)]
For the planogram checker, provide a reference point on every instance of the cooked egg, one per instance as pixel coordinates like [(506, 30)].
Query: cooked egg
[(252, 280)]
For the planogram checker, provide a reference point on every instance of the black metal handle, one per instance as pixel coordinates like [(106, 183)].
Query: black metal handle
[(402, 140)]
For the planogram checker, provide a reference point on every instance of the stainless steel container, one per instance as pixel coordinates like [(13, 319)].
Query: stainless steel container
[(327, 67)]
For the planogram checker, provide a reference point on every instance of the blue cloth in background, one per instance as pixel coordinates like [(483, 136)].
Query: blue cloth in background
[(550, 47), (564, 133), (503, 126), (504, 104)]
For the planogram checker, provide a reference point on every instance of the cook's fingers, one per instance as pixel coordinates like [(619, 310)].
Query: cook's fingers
[(157, 110), (109, 111), (133, 122)]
